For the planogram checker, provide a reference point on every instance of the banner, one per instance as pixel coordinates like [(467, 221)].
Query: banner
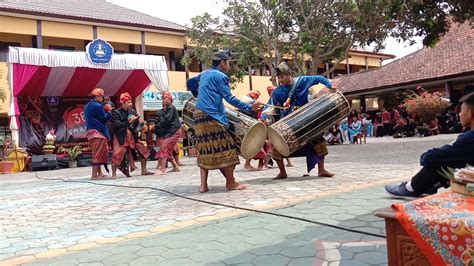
[(152, 99), (41, 114)]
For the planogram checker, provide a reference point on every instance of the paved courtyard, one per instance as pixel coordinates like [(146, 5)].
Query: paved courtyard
[(61, 218)]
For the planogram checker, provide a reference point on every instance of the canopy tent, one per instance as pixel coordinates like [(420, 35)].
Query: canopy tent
[(39, 72)]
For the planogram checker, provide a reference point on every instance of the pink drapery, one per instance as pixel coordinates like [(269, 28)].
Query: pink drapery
[(135, 84), (21, 77), (83, 81)]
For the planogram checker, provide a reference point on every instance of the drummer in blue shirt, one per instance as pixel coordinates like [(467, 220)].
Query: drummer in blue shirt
[(215, 146), (291, 94)]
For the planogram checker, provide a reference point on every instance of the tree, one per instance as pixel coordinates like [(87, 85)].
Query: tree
[(250, 29), (319, 31)]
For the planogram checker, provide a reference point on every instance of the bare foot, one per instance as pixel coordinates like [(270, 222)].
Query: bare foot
[(235, 186), (249, 168), (114, 177), (180, 164), (325, 174), (175, 170), (147, 173), (290, 165), (280, 176), (161, 173), (96, 178), (203, 189)]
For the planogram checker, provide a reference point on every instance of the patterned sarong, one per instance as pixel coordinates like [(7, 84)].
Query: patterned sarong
[(442, 227), (216, 148), (168, 146), (125, 155), (99, 147)]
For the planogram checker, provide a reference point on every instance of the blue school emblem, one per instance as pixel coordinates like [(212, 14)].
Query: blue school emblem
[(99, 51)]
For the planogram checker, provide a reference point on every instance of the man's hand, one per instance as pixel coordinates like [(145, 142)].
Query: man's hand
[(107, 107), (287, 104), (132, 118), (257, 106)]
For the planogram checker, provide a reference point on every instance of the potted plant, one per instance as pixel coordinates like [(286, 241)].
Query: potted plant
[(5, 165), (73, 152)]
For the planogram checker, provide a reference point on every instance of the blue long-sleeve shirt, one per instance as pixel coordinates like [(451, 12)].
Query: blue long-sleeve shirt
[(454, 155), (211, 87), (96, 117), (298, 93)]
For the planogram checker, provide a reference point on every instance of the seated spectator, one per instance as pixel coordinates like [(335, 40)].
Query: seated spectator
[(378, 126), (355, 131), (334, 136), (434, 127), (422, 129), (399, 128), (455, 155), (367, 125), (344, 128)]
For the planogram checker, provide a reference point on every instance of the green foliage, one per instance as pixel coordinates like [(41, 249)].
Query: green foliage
[(264, 32), (73, 152)]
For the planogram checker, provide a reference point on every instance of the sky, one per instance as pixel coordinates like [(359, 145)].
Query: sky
[(181, 12)]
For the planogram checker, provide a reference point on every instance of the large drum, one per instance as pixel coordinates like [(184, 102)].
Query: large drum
[(307, 123), (248, 133)]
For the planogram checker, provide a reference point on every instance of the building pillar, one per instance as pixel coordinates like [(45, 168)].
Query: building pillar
[(39, 34), (366, 63), (448, 86), (94, 32), (348, 67), (172, 61), (362, 103), (143, 43)]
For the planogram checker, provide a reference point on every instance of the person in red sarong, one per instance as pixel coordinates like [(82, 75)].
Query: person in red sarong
[(126, 146), (168, 131), (96, 115)]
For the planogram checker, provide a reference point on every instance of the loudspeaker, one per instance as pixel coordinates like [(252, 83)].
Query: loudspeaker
[(44, 162)]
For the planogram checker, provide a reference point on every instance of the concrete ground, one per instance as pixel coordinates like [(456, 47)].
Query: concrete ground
[(61, 218)]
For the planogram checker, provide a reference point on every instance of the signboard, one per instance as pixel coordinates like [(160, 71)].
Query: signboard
[(99, 51), (4, 89), (40, 114), (152, 99)]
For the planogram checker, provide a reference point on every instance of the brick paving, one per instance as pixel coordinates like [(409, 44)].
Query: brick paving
[(49, 221)]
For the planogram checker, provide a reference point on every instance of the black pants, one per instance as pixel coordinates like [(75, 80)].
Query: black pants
[(426, 179)]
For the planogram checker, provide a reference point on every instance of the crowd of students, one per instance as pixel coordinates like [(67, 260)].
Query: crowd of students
[(391, 122)]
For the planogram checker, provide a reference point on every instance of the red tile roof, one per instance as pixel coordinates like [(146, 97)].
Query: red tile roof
[(452, 56), (88, 10)]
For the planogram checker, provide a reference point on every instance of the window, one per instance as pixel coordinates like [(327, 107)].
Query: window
[(4, 45), (371, 104), (355, 104)]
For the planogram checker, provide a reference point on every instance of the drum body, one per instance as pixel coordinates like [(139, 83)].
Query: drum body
[(248, 133), (308, 122)]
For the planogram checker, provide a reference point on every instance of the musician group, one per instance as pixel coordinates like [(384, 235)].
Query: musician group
[(216, 148)]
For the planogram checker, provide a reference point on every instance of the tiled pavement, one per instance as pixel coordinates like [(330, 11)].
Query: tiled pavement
[(52, 222)]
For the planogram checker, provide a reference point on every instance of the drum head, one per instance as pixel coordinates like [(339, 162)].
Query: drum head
[(278, 142), (253, 140)]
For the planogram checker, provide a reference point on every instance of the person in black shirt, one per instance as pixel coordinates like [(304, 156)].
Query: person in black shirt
[(168, 131), (126, 146)]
